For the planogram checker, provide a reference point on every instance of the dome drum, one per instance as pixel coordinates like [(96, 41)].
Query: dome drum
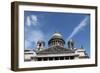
[(56, 40)]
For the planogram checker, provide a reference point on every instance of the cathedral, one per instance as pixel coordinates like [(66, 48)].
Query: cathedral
[(56, 50)]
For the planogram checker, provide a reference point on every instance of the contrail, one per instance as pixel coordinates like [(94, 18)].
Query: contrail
[(82, 24)]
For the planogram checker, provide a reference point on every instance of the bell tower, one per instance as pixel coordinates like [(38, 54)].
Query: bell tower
[(40, 45), (70, 44)]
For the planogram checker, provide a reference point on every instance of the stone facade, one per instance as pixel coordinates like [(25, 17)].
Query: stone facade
[(55, 50)]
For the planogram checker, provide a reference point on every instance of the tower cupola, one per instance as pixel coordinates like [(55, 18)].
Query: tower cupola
[(40, 45), (70, 44)]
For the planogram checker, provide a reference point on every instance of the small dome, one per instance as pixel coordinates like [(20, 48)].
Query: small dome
[(71, 44), (40, 41), (71, 40), (57, 34)]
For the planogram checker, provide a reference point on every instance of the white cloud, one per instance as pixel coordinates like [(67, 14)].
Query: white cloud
[(82, 24), (28, 22), (27, 44), (37, 35), (32, 20), (33, 37)]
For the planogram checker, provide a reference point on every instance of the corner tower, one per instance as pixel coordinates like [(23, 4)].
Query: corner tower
[(70, 44), (40, 45)]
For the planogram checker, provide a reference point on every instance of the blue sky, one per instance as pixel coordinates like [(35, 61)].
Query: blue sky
[(42, 25)]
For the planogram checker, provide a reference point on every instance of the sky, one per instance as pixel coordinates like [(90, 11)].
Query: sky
[(42, 25)]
